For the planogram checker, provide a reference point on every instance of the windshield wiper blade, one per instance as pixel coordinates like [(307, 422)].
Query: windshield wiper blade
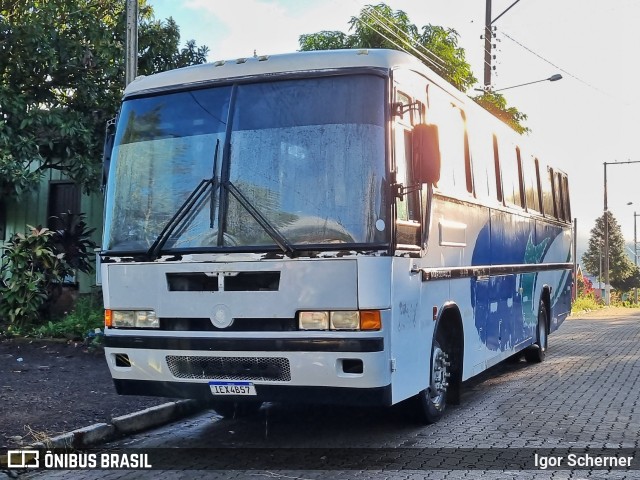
[(272, 231), (177, 218)]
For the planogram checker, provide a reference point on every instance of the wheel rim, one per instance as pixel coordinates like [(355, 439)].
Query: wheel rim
[(439, 376)]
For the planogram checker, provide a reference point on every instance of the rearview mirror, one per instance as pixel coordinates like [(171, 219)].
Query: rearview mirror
[(426, 153)]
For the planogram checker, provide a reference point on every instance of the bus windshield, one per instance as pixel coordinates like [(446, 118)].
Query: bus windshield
[(304, 158)]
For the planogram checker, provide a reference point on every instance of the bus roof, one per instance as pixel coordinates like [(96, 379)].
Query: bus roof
[(272, 64)]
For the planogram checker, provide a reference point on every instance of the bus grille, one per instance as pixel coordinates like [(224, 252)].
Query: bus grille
[(230, 368)]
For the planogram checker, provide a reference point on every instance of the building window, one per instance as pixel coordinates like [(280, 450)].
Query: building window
[(64, 197), (3, 220)]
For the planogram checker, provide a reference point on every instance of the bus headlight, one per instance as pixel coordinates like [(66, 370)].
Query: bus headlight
[(340, 320), (313, 320), (345, 320), (131, 319)]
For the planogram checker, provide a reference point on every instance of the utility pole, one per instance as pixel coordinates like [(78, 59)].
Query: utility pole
[(131, 58), (606, 241), (635, 248), (607, 297), (488, 38)]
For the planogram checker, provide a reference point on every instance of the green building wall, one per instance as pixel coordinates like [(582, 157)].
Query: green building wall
[(32, 209)]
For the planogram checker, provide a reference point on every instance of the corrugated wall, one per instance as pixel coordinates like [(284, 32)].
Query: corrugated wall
[(32, 209)]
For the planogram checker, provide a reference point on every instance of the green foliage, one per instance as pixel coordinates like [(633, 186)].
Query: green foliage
[(61, 79), (81, 323), (29, 271), (586, 303), (74, 241), (623, 274), (35, 264), (497, 104), (378, 26)]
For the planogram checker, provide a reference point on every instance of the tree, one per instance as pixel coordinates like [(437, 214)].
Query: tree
[(378, 26), (61, 79), (623, 274), (497, 104)]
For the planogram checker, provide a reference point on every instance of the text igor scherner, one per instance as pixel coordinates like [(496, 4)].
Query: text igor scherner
[(583, 460)]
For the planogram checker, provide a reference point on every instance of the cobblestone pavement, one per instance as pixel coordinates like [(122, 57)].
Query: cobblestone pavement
[(585, 394)]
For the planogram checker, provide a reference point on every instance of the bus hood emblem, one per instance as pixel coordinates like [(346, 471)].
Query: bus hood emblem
[(221, 317)]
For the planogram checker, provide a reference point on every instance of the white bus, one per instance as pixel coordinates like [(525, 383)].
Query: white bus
[(339, 227)]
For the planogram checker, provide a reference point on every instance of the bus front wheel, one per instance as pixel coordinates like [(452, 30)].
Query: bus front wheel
[(536, 352), (432, 401)]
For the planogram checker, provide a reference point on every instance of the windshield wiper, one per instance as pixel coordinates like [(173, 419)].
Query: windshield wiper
[(177, 218), (186, 207), (272, 231)]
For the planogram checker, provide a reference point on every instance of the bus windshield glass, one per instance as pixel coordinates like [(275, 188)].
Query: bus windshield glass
[(301, 159)]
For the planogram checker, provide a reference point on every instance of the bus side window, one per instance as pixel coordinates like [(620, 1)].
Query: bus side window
[(510, 170), (408, 205), (530, 182), (484, 165), (566, 198), (547, 192), (558, 195), (496, 169), (455, 175)]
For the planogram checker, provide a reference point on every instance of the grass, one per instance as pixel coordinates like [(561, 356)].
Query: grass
[(586, 303), (84, 321)]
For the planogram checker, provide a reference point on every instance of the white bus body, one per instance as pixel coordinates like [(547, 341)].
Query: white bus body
[(311, 200)]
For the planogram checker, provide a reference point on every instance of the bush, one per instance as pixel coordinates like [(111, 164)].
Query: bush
[(35, 265), (81, 323), (586, 302), (29, 272)]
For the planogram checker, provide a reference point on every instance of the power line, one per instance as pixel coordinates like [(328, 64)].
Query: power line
[(553, 64), (373, 15)]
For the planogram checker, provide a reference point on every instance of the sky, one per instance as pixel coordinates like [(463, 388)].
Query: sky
[(577, 123)]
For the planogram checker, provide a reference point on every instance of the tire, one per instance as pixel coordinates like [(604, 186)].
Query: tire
[(430, 403), (230, 409), (536, 352)]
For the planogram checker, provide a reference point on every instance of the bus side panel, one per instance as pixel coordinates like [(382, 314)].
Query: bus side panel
[(411, 331), (554, 246), (458, 230)]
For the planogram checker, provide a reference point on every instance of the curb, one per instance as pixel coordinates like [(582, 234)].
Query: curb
[(121, 426)]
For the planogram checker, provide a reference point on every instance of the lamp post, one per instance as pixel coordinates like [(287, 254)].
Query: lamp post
[(552, 78), (607, 299), (635, 249)]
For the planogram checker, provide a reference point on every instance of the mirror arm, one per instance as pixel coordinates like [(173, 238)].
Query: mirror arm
[(399, 190)]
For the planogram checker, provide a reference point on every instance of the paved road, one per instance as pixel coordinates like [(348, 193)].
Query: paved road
[(586, 394)]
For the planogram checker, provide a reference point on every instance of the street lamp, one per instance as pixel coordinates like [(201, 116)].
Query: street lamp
[(635, 248), (552, 78)]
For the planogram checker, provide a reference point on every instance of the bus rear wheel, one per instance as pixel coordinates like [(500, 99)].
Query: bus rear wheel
[(536, 352), (432, 401)]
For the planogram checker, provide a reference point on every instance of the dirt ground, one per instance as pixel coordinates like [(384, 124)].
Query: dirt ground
[(50, 387)]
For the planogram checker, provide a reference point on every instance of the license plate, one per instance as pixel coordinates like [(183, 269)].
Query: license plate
[(232, 388)]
